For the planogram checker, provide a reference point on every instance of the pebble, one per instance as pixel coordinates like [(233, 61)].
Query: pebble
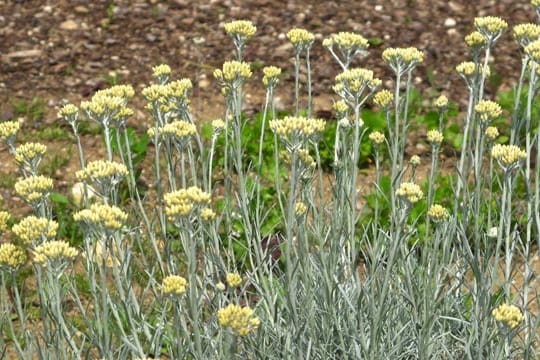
[(69, 25), (24, 54), (450, 22), (81, 9)]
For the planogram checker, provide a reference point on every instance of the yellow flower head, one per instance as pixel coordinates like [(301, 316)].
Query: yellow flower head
[(533, 51), (347, 41), (507, 156), (32, 230), (102, 171), (69, 112), (52, 252), (102, 216), (488, 110), (475, 40), (11, 256), (415, 160), (233, 280), (300, 38), (240, 320), (300, 209), (441, 102), (435, 137), (377, 137), (182, 202), (491, 27), (233, 71), (492, 133), (526, 33), (402, 59), (9, 130), (295, 131), (410, 192), (4, 219), (34, 188), (240, 28), (509, 315), (174, 285), (438, 213), (162, 71), (30, 154), (383, 98), (271, 76)]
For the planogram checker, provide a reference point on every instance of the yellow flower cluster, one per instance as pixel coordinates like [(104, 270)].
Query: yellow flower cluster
[(303, 156), (34, 229), (179, 88), (377, 137), (341, 108), (300, 38), (415, 160), (383, 98), (507, 155), (162, 70), (535, 3), (179, 129), (102, 106), (490, 26), (155, 92), (34, 188), (300, 209), (54, 251), (11, 256), (243, 28), (174, 285), (469, 69), (233, 71), (30, 153), (124, 92), (97, 255), (441, 102), (532, 50), (402, 59), (295, 130), (435, 137), (183, 201), (218, 125), (438, 213), (348, 41), (410, 192), (69, 112), (271, 76), (100, 170), (9, 129), (488, 110), (101, 215), (207, 214), (355, 80), (475, 40), (239, 319), (509, 315), (526, 33), (233, 280), (492, 133), (4, 219)]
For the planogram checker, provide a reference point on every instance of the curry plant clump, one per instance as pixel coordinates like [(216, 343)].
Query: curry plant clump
[(266, 254)]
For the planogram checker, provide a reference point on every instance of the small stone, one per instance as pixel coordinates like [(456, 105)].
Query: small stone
[(69, 25), (378, 8), (24, 54), (449, 22), (204, 83), (81, 9)]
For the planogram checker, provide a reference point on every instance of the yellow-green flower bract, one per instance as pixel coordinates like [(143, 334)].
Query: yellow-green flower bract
[(488, 110), (490, 26), (402, 59), (507, 155), (33, 229), (174, 285), (435, 137), (533, 51), (243, 28), (271, 76), (29, 152), (233, 71), (102, 216), (347, 41), (239, 319), (11, 256), (34, 188), (410, 192), (441, 102), (300, 38), (4, 219), (180, 203), (54, 251), (296, 130), (383, 98), (9, 129), (102, 170), (179, 129), (526, 33), (475, 40), (509, 315), (161, 70), (492, 133), (438, 213), (233, 280), (377, 137)]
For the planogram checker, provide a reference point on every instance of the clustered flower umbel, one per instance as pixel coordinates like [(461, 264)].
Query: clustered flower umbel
[(487, 111), (232, 75), (296, 131), (108, 106), (383, 99), (377, 137), (102, 217), (241, 31), (300, 209), (492, 133), (54, 253), (491, 27), (441, 103), (476, 41), (4, 218), (161, 73), (233, 280), (469, 71), (174, 285), (34, 188), (180, 131), (402, 60), (509, 315), (508, 156), (70, 113), (526, 33), (271, 76), (9, 131), (33, 230), (348, 44), (301, 39), (182, 202), (11, 257), (533, 51), (410, 192), (30, 155), (438, 213), (105, 174), (435, 137), (218, 126), (240, 320), (351, 85)]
